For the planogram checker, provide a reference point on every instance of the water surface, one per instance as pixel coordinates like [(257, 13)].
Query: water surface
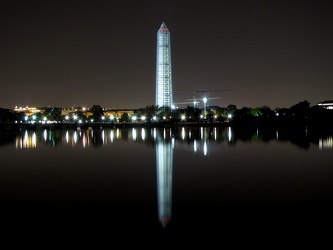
[(167, 181)]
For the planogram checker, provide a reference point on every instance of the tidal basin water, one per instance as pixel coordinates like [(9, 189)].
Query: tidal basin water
[(226, 180)]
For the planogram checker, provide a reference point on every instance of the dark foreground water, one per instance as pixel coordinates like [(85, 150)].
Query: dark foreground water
[(237, 186)]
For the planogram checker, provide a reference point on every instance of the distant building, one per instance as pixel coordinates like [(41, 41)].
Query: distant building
[(163, 68), (28, 111), (326, 104)]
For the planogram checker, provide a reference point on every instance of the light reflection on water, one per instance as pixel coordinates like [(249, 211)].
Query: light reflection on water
[(326, 143), (89, 137), (196, 167)]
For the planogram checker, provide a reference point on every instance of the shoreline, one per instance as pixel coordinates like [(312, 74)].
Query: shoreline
[(110, 125)]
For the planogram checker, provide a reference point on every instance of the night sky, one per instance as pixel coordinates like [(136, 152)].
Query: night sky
[(64, 53)]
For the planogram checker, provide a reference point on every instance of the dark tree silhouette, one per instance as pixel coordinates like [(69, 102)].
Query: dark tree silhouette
[(124, 117), (97, 112)]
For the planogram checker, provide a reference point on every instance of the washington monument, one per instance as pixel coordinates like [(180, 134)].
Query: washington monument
[(163, 68)]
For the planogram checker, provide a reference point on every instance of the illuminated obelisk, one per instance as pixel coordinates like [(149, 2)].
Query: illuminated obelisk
[(163, 68)]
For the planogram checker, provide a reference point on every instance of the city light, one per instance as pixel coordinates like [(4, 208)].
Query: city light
[(205, 107)]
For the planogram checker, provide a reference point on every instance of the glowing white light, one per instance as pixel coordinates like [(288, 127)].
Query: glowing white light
[(134, 118), (326, 143), (143, 118), (143, 134), (134, 134), (26, 139), (229, 134), (154, 133), (111, 136), (183, 117), (34, 141), (67, 136), (75, 137), (205, 148)]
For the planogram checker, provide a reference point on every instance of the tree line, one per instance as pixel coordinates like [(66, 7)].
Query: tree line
[(298, 113)]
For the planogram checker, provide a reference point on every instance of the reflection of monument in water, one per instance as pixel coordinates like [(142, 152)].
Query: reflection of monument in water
[(164, 162)]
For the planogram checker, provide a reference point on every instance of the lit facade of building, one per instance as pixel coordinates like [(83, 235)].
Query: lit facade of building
[(163, 68), (28, 111), (326, 104)]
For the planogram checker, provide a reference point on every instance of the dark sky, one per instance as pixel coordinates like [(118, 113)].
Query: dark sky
[(64, 53)]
